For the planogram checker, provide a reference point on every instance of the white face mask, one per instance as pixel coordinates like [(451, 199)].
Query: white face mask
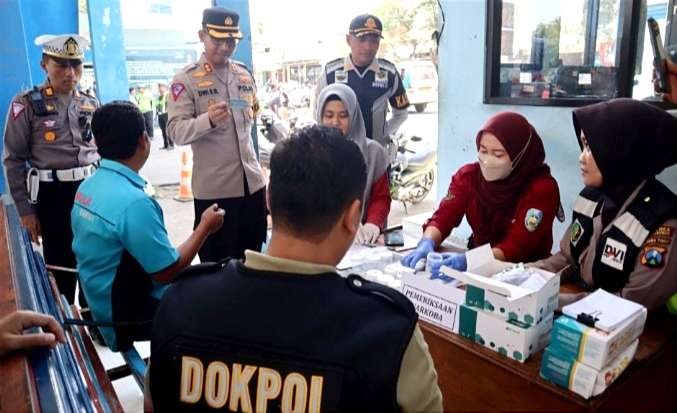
[(493, 168)]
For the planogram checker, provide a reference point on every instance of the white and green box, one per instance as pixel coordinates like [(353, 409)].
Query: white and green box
[(591, 346), (580, 378), (504, 300), (510, 338)]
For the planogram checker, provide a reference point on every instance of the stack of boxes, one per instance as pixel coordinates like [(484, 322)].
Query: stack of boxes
[(587, 360), (509, 319)]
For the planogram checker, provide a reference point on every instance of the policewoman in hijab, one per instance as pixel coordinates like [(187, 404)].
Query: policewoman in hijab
[(622, 233), (508, 197), (337, 106)]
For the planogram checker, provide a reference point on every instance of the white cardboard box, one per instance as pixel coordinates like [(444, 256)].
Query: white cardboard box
[(435, 301), (509, 338), (592, 346), (580, 378), (504, 300)]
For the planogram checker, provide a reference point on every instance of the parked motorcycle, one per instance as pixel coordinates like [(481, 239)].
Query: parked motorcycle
[(273, 130), (412, 169)]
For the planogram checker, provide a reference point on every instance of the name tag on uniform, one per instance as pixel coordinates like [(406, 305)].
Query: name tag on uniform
[(340, 76), (238, 104)]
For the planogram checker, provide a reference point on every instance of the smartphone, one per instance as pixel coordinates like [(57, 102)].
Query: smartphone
[(659, 56), (394, 238)]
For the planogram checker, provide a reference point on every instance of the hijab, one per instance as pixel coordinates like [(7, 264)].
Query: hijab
[(374, 155), (498, 199), (631, 142)]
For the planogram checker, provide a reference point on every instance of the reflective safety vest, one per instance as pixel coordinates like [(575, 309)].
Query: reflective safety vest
[(233, 338), (618, 247)]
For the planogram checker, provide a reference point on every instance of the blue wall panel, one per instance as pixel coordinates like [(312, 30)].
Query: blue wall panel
[(108, 50), (22, 22), (46, 17), (243, 52)]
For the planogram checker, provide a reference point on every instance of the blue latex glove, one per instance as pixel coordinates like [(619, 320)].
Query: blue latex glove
[(455, 260), (425, 245)]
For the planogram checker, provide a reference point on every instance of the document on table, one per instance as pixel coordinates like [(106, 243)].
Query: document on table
[(607, 310)]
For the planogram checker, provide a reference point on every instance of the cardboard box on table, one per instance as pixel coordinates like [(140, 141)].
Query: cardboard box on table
[(591, 346), (510, 338), (581, 378), (507, 301)]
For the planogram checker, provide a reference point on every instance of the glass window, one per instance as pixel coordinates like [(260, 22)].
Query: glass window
[(557, 52)]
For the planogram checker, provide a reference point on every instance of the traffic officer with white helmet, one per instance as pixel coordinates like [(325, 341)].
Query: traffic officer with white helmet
[(49, 150), (375, 81)]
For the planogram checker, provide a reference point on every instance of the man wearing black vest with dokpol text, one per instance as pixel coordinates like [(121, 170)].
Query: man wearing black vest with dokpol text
[(283, 331)]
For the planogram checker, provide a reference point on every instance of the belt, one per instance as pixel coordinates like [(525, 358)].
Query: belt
[(78, 173)]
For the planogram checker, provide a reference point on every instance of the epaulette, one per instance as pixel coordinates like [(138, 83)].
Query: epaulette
[(334, 65), (242, 65), (203, 268), (387, 65), (83, 93), (387, 294), (190, 67)]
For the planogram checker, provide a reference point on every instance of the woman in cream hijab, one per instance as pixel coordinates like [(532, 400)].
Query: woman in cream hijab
[(337, 106)]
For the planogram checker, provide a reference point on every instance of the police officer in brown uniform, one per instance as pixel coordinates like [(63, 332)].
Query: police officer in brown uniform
[(212, 107), (49, 151)]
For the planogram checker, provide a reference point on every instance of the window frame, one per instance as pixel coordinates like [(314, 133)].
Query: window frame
[(629, 21)]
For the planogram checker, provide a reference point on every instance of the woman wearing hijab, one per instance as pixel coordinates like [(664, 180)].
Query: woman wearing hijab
[(622, 234), (337, 106), (509, 197)]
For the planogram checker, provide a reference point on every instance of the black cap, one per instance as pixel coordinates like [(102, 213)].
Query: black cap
[(221, 23), (366, 24)]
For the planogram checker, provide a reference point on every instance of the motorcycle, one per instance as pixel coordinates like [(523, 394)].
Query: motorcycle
[(273, 130), (412, 171)]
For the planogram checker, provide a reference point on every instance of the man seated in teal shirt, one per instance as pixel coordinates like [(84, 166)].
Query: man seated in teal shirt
[(124, 256)]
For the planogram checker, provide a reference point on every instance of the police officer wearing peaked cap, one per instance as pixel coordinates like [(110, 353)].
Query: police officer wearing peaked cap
[(212, 107), (375, 81), (49, 150)]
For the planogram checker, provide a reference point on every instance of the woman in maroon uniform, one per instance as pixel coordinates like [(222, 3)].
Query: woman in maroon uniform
[(508, 197)]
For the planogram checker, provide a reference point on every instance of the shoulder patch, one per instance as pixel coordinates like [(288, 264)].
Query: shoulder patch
[(653, 256), (17, 109), (177, 88), (532, 219), (655, 247)]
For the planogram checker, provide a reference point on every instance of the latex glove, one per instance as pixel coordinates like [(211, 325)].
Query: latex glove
[(455, 260), (367, 234), (425, 246)]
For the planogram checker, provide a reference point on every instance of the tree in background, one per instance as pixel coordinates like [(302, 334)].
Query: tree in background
[(407, 28)]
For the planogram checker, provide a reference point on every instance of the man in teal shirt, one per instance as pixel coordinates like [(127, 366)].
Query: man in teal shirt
[(125, 258)]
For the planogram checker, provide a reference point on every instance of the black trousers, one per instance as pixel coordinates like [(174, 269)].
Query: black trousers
[(244, 226), (55, 201), (162, 121), (148, 120)]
